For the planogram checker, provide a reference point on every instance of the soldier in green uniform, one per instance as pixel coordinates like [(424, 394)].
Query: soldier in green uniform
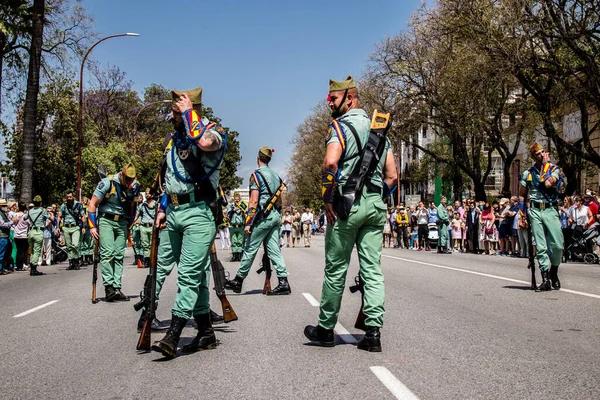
[(136, 244), (237, 219), (71, 214), (263, 183), (442, 223), (194, 155), (86, 248), (542, 182), (110, 214), (146, 213), (348, 134), (38, 220)]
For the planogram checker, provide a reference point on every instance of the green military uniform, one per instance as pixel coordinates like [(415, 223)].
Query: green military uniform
[(191, 227), (544, 218), (136, 239), (86, 248), (363, 226), (113, 224), (146, 213), (266, 181), (38, 219), (71, 216), (443, 221), (237, 219)]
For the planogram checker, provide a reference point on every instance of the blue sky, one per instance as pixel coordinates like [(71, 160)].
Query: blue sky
[(263, 64)]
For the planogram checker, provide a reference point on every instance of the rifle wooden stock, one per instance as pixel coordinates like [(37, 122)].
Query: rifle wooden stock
[(144, 341), (360, 318), (218, 272), (95, 273), (266, 266)]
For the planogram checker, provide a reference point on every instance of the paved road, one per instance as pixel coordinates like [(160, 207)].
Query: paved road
[(456, 327)]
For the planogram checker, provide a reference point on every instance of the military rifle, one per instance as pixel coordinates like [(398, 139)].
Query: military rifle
[(266, 267), (359, 287), (95, 272), (149, 299), (218, 272), (531, 263)]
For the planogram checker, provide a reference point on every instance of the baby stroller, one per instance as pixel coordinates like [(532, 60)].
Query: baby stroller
[(59, 249), (433, 235), (581, 247)]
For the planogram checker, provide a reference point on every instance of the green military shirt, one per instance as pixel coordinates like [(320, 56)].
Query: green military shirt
[(236, 217), (339, 132), (147, 213), (177, 179), (534, 193), (37, 217), (4, 232), (259, 180), (76, 210), (443, 213), (114, 196)]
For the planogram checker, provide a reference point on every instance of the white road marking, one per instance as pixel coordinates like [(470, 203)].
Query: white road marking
[(313, 302), (34, 309), (398, 389), (595, 296), (339, 329), (344, 334)]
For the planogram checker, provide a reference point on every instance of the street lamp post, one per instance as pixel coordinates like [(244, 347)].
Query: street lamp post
[(80, 117)]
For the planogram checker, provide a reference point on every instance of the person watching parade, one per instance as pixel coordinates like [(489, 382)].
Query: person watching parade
[(347, 136), (542, 182), (264, 182), (110, 214)]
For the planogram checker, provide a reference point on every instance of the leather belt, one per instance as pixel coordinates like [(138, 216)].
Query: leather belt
[(69, 225), (147, 225), (237, 225), (372, 188), (542, 205), (112, 217), (195, 197)]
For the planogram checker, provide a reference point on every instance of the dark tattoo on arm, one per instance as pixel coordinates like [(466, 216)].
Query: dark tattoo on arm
[(213, 140)]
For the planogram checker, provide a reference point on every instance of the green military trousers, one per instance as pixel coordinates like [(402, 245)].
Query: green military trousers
[(164, 264), (36, 240), (443, 236), (136, 240), (269, 230), (146, 239), (237, 239), (190, 234), (72, 236), (364, 227), (86, 248), (548, 236), (112, 250)]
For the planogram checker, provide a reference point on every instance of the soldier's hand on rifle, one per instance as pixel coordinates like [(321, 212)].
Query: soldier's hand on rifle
[(94, 233), (161, 221), (330, 214)]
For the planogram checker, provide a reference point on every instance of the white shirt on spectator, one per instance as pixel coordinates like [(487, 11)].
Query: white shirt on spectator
[(307, 217)]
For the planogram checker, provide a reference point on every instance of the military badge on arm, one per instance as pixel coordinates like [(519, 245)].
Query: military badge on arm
[(329, 182)]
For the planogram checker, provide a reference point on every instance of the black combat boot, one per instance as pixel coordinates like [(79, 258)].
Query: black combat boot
[(205, 339), (110, 293), (168, 345), (439, 249), (78, 263), (33, 271), (233, 257), (90, 260), (554, 277), (282, 288), (546, 284), (119, 296), (70, 267), (324, 337), (215, 318), (235, 284), (371, 341), (146, 262), (156, 325)]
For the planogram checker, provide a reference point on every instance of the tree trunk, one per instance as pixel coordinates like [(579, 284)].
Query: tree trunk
[(479, 189), (31, 98), (506, 176), (3, 40)]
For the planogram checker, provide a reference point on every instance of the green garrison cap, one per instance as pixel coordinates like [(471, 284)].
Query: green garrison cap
[(129, 171), (267, 151), (335, 86), (37, 199), (195, 95)]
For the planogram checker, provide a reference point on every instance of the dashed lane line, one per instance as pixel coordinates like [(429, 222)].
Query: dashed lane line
[(595, 296), (34, 309), (397, 388), (342, 332)]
